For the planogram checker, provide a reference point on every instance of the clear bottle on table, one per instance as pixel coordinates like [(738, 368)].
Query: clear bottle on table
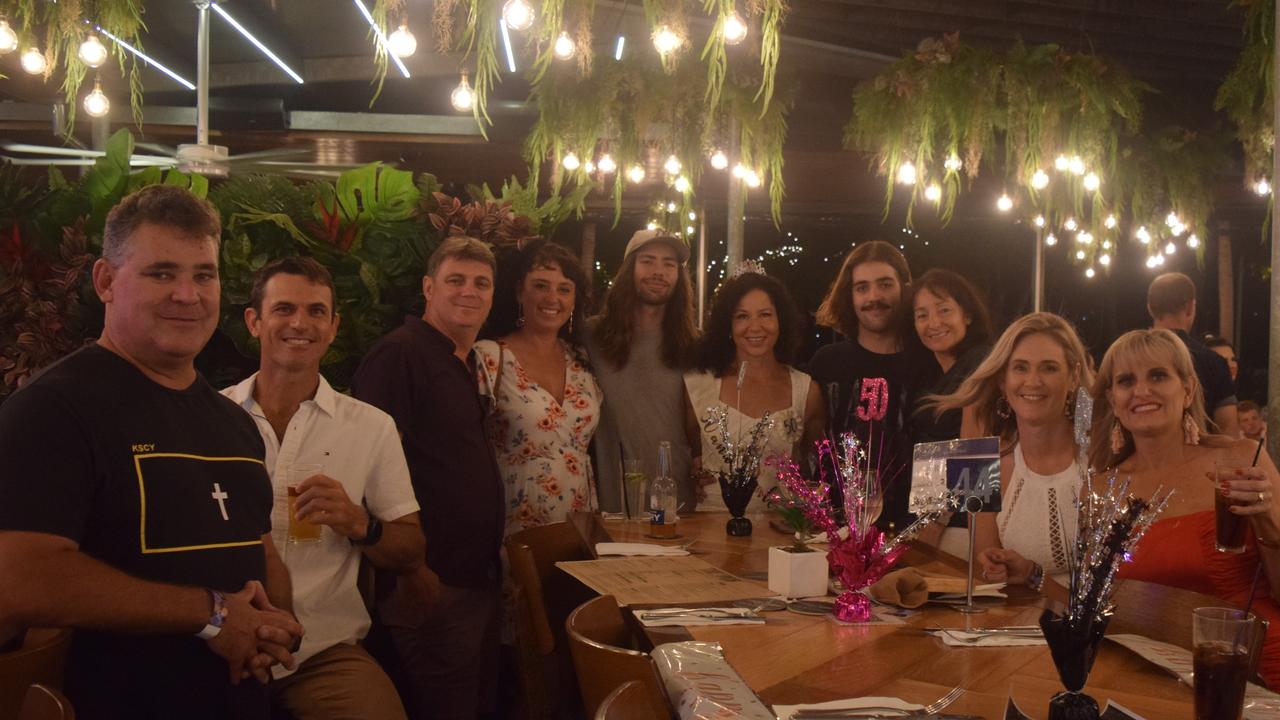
[(662, 496)]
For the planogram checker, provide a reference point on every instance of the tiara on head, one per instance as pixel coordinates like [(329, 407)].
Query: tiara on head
[(747, 266)]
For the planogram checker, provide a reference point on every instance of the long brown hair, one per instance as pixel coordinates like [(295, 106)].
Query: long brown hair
[(837, 309), (614, 329)]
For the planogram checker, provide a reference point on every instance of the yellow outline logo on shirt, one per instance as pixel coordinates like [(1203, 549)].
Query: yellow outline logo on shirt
[(142, 496)]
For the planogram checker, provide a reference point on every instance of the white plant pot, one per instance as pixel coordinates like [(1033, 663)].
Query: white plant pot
[(797, 574)]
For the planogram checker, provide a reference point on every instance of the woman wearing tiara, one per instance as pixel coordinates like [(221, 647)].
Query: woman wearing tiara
[(744, 367)]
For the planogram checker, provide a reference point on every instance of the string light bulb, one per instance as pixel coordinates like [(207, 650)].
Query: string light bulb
[(1085, 237), (1193, 242), (1076, 165), (1050, 239), (570, 161), (1143, 235), (671, 206), (402, 42), (518, 14), (607, 164), (564, 47), (1089, 273), (1104, 259), (933, 193), (463, 98), (666, 40), (752, 179), (739, 171), (692, 216), (1039, 221), (1262, 187), (682, 184), (92, 52), (907, 173), (1070, 224), (1170, 248), (589, 167), (1004, 203), (652, 225), (672, 165), (734, 29), (1110, 223), (953, 163), (1061, 163), (33, 61), (1092, 182), (1040, 180), (1079, 254), (719, 160), (8, 38), (636, 174), (96, 102)]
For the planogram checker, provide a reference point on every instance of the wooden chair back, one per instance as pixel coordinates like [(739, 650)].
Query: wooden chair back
[(630, 701), (605, 657), (46, 703), (40, 660)]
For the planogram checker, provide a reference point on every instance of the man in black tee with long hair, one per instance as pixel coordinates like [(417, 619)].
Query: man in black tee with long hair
[(134, 506)]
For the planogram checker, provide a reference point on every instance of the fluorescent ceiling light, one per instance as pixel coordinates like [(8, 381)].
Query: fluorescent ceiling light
[(506, 43), (148, 59), (622, 41), (382, 39), (257, 43)]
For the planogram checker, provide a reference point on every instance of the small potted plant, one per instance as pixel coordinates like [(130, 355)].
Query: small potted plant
[(795, 570)]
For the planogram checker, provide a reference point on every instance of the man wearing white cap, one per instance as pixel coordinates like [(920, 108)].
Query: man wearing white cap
[(640, 346)]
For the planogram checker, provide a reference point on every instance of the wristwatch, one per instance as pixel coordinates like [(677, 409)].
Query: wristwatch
[(373, 534), (216, 617), (1035, 579)]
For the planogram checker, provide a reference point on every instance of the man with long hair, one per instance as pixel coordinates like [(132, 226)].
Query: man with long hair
[(866, 377), (640, 347)]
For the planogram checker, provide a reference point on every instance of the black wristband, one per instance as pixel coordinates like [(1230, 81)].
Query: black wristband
[(372, 534)]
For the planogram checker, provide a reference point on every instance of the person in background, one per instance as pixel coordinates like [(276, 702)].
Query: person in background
[(134, 506), (640, 347), (753, 323), (867, 378), (1025, 393), (953, 323), (545, 401), (362, 493), (1252, 424), (443, 618), (1171, 302), (1149, 427), (1223, 347)]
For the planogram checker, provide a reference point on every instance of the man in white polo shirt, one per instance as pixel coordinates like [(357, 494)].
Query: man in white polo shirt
[(360, 494)]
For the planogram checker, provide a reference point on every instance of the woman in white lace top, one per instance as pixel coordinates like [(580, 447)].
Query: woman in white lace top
[(1024, 392)]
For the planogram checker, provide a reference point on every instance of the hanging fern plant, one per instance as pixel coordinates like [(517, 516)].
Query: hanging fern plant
[(1247, 93)]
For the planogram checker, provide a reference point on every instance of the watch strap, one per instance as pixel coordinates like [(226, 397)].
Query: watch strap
[(373, 532)]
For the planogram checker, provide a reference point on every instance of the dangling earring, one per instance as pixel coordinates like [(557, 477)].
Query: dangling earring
[(1117, 438), (520, 319), (571, 323), (1190, 430), (1069, 409), (1002, 408)]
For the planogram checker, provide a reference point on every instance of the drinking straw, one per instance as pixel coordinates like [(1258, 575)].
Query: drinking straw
[(1257, 572), (622, 465)]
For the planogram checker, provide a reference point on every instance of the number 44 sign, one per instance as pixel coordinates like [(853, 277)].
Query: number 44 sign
[(969, 469)]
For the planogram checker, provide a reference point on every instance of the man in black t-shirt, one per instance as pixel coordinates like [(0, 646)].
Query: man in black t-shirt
[(133, 503), (867, 378), (1171, 302)]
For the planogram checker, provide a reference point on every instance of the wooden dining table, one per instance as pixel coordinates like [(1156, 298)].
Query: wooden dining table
[(794, 659)]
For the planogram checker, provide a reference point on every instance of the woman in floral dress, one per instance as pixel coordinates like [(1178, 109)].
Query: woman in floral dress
[(545, 401)]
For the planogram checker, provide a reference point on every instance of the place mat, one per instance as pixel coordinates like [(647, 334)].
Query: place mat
[(639, 549), (784, 712), (662, 580)]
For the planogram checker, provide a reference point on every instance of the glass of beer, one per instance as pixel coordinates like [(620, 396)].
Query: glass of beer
[(636, 487), (301, 531), (1231, 528), (1223, 641)]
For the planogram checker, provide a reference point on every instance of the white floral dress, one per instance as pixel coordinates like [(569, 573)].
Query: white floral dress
[(540, 443)]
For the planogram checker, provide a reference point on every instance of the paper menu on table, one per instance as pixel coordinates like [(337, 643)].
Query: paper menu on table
[(1177, 660), (662, 580)]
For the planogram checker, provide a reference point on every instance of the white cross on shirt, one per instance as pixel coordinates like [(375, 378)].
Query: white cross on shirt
[(220, 496)]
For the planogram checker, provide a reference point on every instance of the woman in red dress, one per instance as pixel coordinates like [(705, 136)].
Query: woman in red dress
[(1149, 425)]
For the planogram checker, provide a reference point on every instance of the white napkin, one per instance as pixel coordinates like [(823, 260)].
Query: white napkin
[(725, 616), (960, 638), (784, 712), (613, 548)]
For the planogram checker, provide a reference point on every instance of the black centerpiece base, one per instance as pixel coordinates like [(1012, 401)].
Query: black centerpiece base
[(1073, 706), (738, 527)]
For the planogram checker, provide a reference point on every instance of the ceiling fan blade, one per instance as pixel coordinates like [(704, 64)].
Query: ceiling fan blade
[(268, 164), (157, 147), (267, 154), (45, 162), (50, 150)]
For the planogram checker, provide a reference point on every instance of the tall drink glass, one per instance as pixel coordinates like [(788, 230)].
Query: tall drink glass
[(1223, 640), (635, 484), (301, 531), (1231, 528)]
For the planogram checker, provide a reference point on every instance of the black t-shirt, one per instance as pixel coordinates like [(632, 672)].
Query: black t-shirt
[(165, 485), (413, 376), (867, 393), (923, 425), (1213, 372)]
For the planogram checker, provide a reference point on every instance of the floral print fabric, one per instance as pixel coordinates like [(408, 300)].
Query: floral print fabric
[(540, 443)]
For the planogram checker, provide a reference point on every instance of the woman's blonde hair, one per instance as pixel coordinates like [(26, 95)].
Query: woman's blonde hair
[(1134, 349), (982, 389)]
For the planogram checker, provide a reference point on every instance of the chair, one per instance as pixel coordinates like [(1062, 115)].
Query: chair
[(40, 660), (46, 703), (629, 702), (603, 653), (546, 597)]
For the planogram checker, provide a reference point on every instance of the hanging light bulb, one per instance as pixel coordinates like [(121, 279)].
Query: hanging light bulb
[(564, 47), (33, 61), (1070, 224), (1092, 182), (635, 174), (1039, 221), (1170, 248), (1193, 241), (739, 171), (692, 216), (1076, 165), (719, 160), (953, 163), (652, 225), (1089, 272), (1110, 222), (1143, 235), (1040, 180), (96, 103), (1151, 262), (589, 167), (671, 206), (1172, 219), (666, 40), (1050, 239), (402, 42), (752, 179), (1085, 237), (733, 29), (933, 193), (1262, 187), (518, 14), (92, 52), (606, 164), (672, 165), (462, 98), (1080, 255), (682, 184), (1004, 203), (907, 173), (8, 38), (570, 161), (1061, 163), (1104, 259), (1160, 260), (689, 229), (1106, 244)]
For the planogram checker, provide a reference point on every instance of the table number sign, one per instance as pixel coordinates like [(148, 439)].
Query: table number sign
[(968, 469)]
